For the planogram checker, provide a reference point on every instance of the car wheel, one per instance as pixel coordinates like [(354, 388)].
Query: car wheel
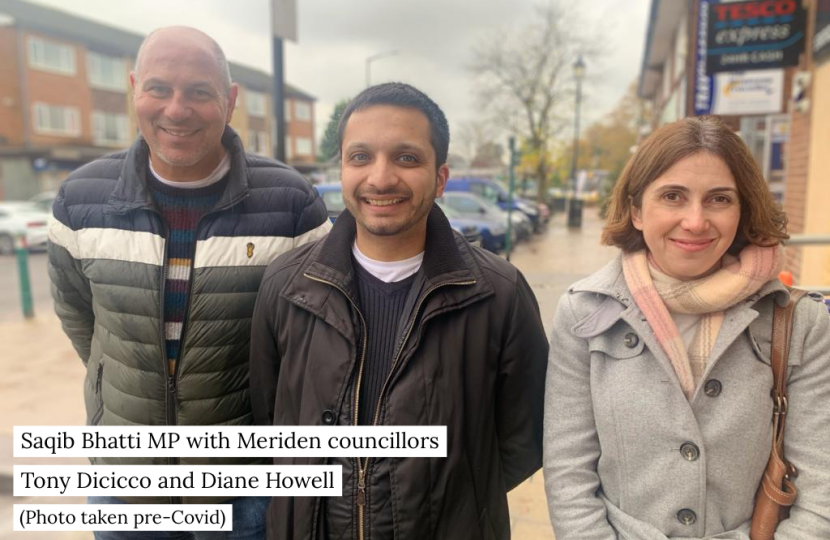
[(6, 244)]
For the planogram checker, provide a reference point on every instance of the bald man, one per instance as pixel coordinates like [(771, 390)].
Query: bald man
[(156, 255)]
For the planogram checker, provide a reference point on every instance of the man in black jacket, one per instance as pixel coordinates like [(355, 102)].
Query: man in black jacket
[(393, 319)]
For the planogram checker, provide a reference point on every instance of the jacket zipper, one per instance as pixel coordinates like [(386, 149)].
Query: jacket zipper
[(172, 379), (361, 483), (363, 463), (98, 381), (170, 394)]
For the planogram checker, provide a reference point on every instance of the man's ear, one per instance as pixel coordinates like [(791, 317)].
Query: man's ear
[(133, 80), (232, 93), (441, 180)]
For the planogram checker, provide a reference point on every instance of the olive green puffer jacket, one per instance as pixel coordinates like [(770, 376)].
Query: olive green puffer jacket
[(107, 266)]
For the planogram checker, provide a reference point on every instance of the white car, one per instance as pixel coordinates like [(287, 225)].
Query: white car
[(22, 219)]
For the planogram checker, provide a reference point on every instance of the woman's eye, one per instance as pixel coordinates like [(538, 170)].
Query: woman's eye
[(721, 199), (671, 196)]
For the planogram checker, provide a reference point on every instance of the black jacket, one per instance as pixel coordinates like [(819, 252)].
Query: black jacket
[(473, 357)]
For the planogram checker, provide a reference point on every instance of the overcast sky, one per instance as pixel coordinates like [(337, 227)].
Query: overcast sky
[(434, 39)]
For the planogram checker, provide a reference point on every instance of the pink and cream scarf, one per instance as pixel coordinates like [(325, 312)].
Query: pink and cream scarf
[(709, 296)]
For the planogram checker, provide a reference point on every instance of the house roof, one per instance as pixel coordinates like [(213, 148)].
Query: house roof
[(111, 40)]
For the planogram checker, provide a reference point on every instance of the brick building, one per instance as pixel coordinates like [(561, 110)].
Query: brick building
[(65, 99), (784, 129)]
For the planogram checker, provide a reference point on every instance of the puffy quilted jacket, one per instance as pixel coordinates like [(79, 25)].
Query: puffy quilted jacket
[(106, 263)]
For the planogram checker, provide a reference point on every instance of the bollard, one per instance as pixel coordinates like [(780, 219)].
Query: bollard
[(23, 271)]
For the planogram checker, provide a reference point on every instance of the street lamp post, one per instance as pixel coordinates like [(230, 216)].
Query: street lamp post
[(370, 59), (575, 206)]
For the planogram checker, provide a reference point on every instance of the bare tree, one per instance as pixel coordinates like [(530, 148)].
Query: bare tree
[(472, 135), (525, 78)]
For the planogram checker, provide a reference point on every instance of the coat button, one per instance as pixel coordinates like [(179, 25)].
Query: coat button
[(690, 451), (686, 517), (713, 388), (328, 417), (631, 340)]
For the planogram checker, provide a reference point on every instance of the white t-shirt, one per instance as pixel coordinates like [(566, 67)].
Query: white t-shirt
[(220, 171), (388, 272)]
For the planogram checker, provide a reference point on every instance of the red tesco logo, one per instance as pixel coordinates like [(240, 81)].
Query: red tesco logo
[(751, 10)]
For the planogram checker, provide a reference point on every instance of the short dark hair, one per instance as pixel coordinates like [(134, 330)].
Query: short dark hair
[(762, 221), (408, 97)]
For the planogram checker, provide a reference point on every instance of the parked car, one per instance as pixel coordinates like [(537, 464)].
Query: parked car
[(332, 195), (22, 219), (44, 200), (471, 229), (497, 194), (492, 219)]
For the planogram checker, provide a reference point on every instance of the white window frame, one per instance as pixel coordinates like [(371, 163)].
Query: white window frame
[(99, 129), (65, 54), (287, 110), (263, 143), (304, 143), (302, 111), (71, 120), (255, 104), (258, 142), (97, 74)]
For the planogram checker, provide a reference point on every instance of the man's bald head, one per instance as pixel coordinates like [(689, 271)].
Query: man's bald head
[(172, 36)]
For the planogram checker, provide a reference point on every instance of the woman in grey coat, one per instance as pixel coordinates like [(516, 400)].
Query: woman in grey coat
[(658, 408)]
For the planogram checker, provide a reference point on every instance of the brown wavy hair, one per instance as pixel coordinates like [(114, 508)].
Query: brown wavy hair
[(762, 222)]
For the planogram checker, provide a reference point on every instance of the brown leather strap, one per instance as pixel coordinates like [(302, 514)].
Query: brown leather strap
[(782, 326)]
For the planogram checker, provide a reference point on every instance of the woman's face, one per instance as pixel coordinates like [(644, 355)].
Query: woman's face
[(689, 216)]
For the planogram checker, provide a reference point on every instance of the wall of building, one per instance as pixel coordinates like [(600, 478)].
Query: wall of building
[(301, 129), (18, 180), (815, 261), (798, 156), (11, 118), (61, 90)]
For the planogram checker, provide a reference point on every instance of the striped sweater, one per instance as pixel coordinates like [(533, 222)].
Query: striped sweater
[(181, 209)]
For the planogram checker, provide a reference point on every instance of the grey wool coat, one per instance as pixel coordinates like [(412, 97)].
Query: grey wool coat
[(627, 456)]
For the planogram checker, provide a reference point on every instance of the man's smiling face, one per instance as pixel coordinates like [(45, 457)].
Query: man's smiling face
[(181, 104), (389, 175)]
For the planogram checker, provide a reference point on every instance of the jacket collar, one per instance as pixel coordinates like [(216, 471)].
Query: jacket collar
[(448, 259), (619, 305), (131, 190), (443, 260)]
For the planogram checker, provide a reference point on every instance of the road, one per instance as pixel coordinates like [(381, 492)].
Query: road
[(43, 376)]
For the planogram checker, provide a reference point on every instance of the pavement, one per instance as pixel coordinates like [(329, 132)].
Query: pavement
[(42, 383)]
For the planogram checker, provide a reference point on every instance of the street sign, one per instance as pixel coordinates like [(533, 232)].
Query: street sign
[(284, 24), (744, 36)]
